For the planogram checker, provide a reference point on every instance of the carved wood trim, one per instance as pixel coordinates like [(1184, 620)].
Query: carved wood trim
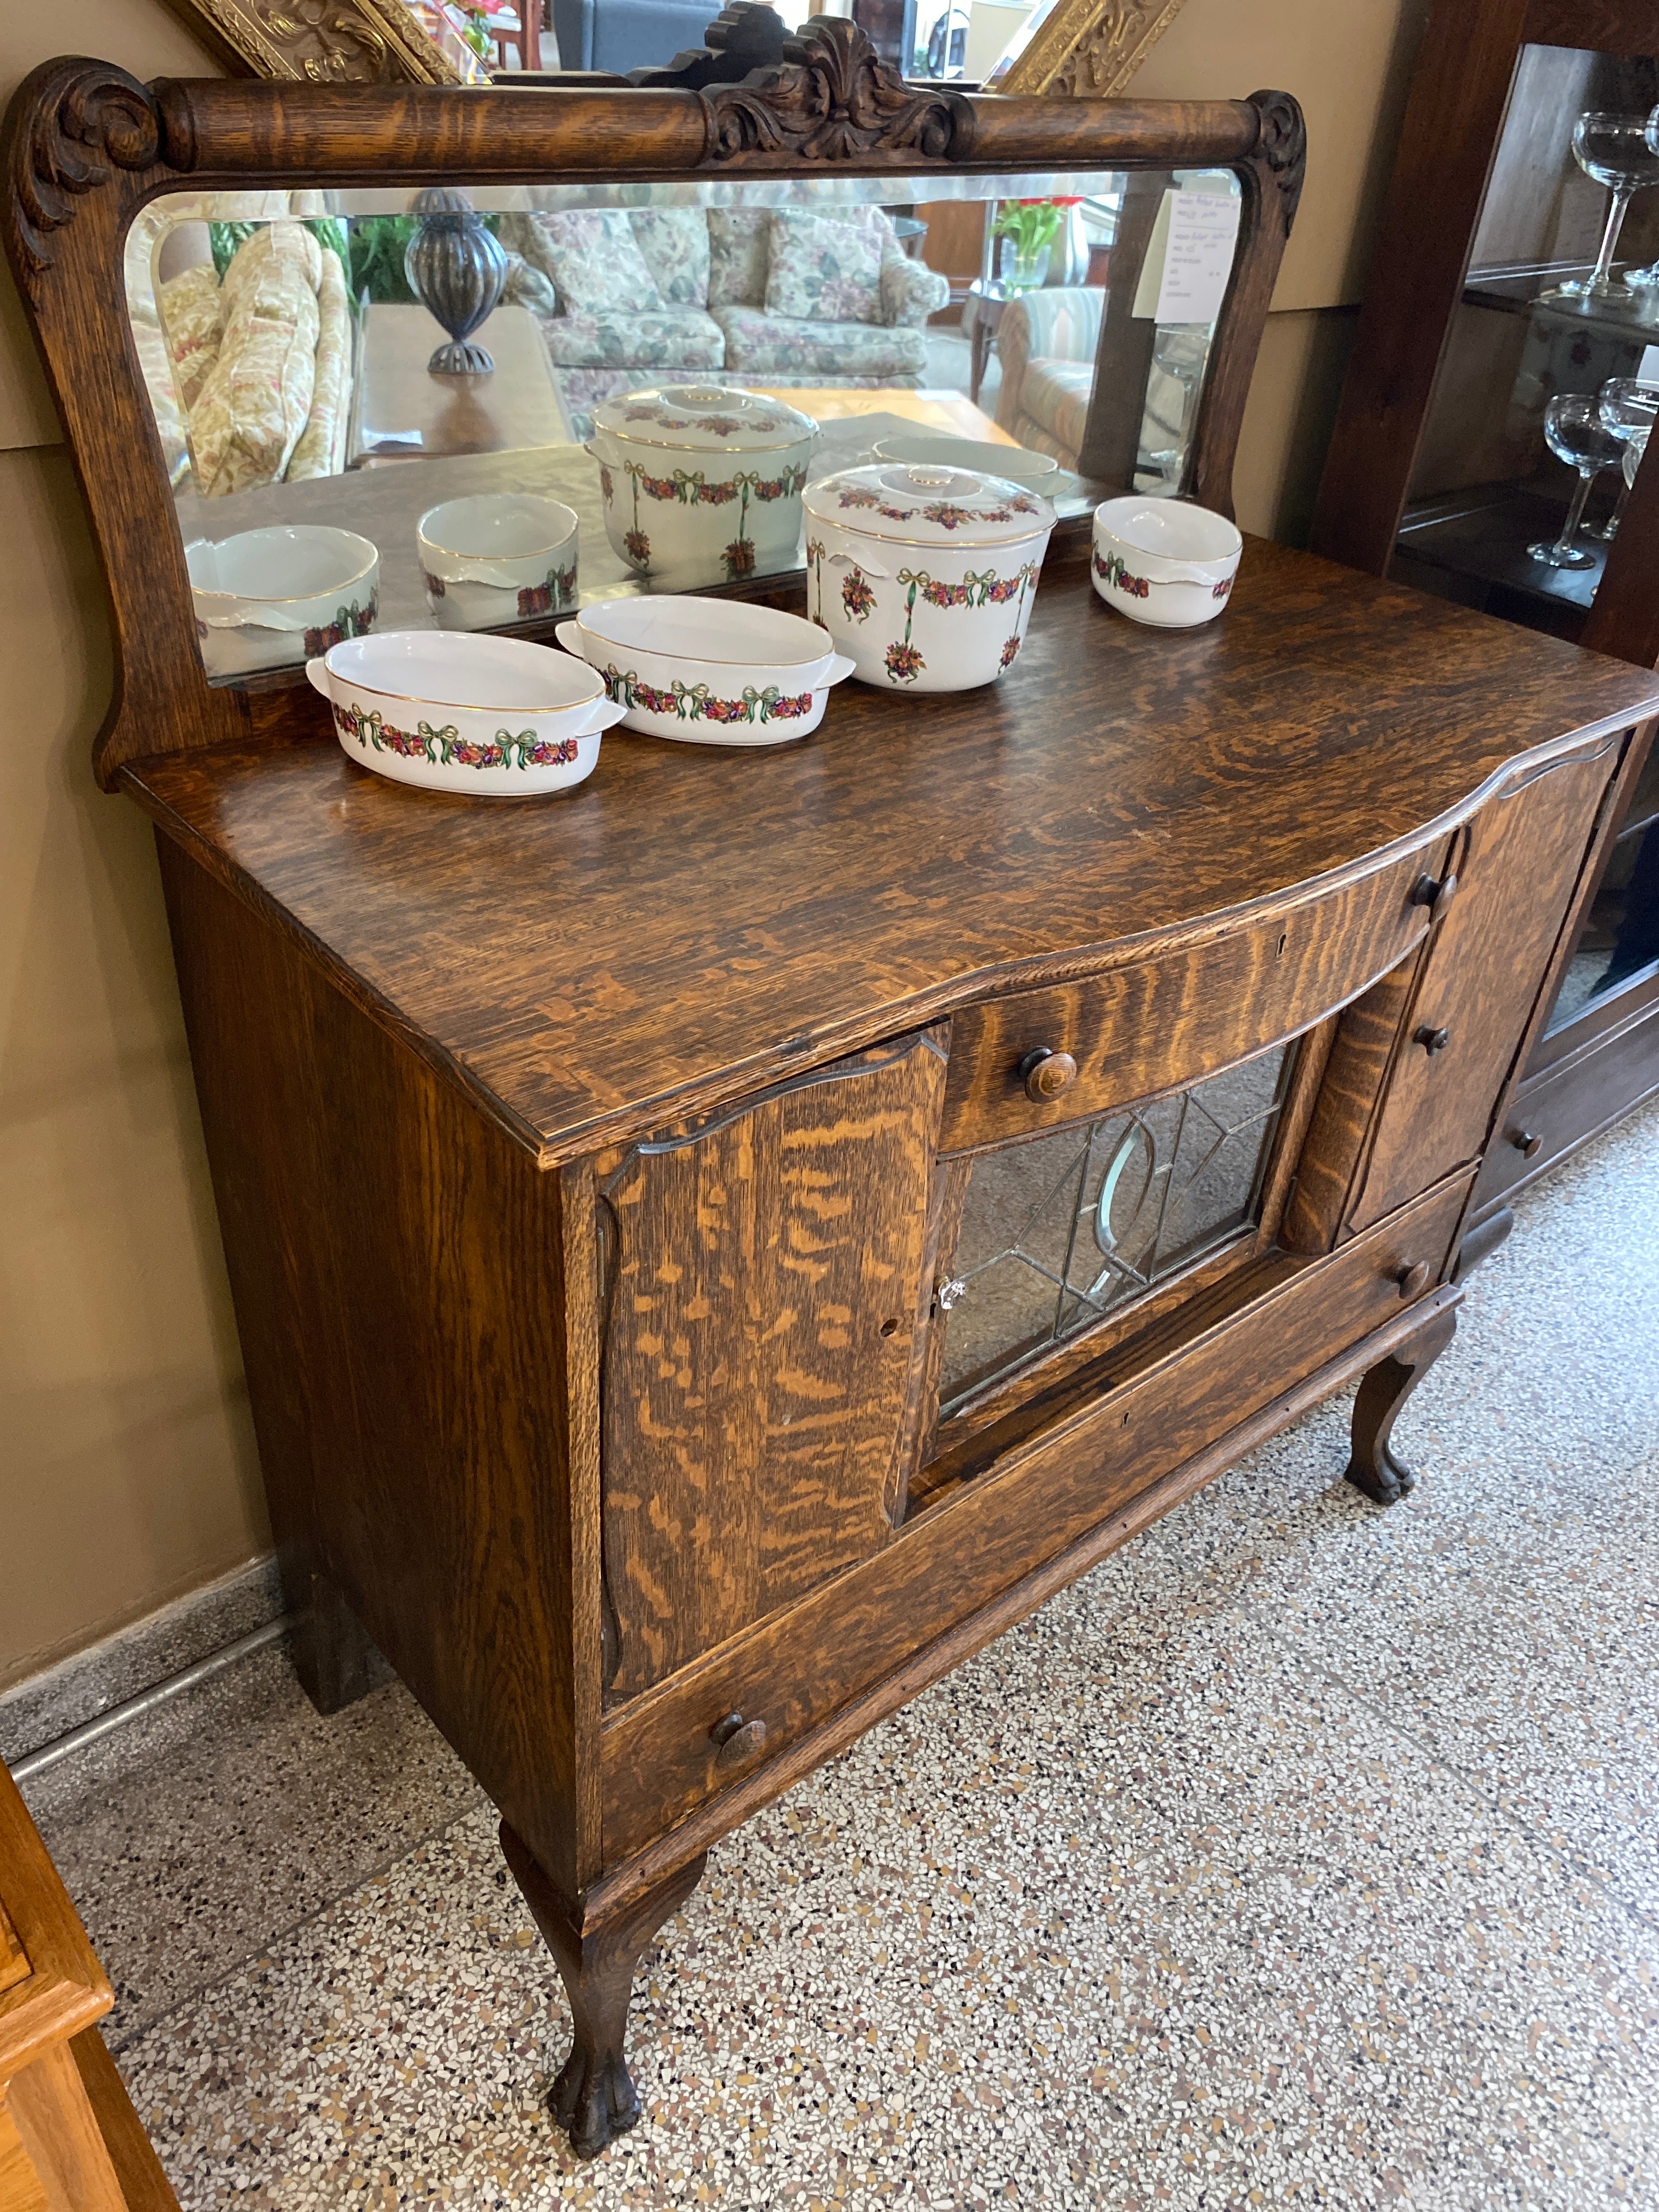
[(1090, 48), (87, 117), (831, 98)]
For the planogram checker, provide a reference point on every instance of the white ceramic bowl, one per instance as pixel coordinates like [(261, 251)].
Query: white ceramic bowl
[(1163, 562), (1013, 463), (707, 671), (267, 598), (497, 557), (493, 717)]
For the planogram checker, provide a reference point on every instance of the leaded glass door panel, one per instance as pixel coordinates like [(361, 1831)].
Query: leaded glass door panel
[(1060, 1231)]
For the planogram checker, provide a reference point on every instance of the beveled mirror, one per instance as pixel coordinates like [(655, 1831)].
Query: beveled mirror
[(393, 320)]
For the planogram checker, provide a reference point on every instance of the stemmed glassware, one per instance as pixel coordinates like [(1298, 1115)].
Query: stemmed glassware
[(1647, 280), (1576, 434), (1622, 152), (1628, 408)]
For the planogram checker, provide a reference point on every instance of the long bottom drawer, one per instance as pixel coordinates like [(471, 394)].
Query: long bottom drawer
[(789, 1672)]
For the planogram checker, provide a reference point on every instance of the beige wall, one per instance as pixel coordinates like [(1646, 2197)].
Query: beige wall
[(127, 1471), (1349, 63)]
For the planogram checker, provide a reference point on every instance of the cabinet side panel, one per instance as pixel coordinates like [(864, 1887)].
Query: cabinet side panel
[(758, 1361), (394, 1260)]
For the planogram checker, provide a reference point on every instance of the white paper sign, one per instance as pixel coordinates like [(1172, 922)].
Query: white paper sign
[(1189, 258)]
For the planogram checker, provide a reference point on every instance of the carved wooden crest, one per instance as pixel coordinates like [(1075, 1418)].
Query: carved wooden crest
[(830, 99)]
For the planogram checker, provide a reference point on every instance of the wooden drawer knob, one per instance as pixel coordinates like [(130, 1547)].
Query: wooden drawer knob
[(1412, 1280), (1437, 893), (1431, 1039), (1047, 1073), (1526, 1143), (738, 1740)]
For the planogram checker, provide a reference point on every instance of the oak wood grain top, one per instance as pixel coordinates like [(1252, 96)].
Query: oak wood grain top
[(690, 922)]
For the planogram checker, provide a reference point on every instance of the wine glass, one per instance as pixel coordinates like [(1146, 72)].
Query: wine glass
[(1575, 434), (1617, 151), (1647, 280), (1628, 407)]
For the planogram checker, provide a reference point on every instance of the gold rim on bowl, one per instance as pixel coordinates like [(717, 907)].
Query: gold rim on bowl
[(703, 659), (294, 598)]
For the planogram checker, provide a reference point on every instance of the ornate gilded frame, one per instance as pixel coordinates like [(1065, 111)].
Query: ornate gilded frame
[(85, 146), (1087, 48), (322, 42)]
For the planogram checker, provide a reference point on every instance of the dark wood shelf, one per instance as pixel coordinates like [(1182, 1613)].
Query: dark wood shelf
[(1484, 535)]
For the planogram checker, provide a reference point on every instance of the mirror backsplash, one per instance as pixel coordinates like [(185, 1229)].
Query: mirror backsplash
[(409, 409)]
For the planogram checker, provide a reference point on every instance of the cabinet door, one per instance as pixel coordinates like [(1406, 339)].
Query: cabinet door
[(1481, 975), (768, 1289)]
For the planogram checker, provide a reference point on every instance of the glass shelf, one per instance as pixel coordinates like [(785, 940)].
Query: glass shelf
[(1525, 291)]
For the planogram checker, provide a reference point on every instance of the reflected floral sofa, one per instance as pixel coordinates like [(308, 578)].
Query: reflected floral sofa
[(780, 297)]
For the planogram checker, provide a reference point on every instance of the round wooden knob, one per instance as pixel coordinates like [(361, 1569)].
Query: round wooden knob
[(1412, 1280), (1437, 893), (1047, 1073), (1526, 1143), (738, 1740), (1431, 1039)]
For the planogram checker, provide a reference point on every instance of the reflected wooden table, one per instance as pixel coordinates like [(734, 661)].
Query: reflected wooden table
[(935, 409), (404, 412)]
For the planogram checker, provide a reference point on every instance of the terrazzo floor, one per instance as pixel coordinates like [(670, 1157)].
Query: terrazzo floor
[(1303, 1854)]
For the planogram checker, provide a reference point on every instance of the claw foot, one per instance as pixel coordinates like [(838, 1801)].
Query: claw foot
[(593, 2100)]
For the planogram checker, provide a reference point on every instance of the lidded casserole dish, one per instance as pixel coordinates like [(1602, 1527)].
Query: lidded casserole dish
[(924, 575), (701, 485)]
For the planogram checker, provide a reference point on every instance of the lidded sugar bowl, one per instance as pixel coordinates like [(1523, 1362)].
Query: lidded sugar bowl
[(924, 574), (701, 485)]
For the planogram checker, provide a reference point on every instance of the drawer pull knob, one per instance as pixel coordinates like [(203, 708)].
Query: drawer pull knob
[(1437, 893), (1412, 1280), (950, 1294), (738, 1740), (1431, 1039), (1527, 1142), (1046, 1073)]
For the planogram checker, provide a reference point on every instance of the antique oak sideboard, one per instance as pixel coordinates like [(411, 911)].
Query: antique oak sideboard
[(712, 1251)]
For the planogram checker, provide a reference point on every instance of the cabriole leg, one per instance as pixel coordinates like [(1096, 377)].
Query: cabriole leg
[(594, 2098), (1373, 1466)]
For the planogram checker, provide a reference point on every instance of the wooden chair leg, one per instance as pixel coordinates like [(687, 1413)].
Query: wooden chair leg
[(332, 1656), (594, 2099), (1373, 1466)]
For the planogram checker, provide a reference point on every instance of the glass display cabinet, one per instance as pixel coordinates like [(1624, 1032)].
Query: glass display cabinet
[(1490, 441)]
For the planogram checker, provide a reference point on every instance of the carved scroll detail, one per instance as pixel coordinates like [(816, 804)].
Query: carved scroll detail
[(831, 99), (1284, 146), (100, 118)]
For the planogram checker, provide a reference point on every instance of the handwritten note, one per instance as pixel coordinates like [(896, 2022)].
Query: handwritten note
[(1189, 258)]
